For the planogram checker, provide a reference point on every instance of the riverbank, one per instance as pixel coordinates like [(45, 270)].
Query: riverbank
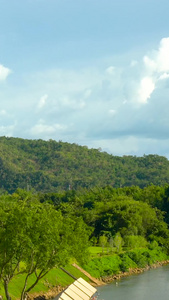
[(135, 271), (52, 293), (46, 295)]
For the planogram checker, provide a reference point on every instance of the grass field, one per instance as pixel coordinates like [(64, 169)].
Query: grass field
[(53, 278), (96, 251)]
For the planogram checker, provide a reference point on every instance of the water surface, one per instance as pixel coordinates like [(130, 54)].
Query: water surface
[(150, 285)]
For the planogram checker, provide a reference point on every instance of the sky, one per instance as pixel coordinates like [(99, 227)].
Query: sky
[(90, 72)]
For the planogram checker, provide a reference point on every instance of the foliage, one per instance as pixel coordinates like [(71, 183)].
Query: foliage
[(125, 211), (41, 241), (55, 277), (143, 257), (114, 264), (127, 263), (135, 241), (118, 242), (104, 266), (50, 166), (103, 241)]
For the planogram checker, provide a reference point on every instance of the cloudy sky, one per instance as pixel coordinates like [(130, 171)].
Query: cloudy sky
[(91, 72)]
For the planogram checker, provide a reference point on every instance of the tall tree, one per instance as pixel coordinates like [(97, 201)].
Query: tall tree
[(34, 234)]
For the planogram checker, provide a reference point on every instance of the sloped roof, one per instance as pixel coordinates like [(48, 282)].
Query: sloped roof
[(79, 290)]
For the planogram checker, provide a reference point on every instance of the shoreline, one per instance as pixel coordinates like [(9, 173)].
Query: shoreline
[(135, 271), (52, 293)]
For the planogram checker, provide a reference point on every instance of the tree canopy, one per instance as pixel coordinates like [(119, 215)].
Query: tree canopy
[(50, 166), (34, 238)]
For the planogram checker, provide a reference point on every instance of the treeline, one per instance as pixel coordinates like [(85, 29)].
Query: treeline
[(39, 231), (105, 266), (34, 238), (133, 215), (50, 166)]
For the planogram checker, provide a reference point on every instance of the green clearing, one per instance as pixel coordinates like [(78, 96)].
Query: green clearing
[(53, 278), (99, 251), (97, 266), (95, 250)]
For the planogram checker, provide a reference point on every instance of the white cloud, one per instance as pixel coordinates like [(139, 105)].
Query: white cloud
[(164, 76), (42, 101), (98, 107), (110, 70), (150, 64), (133, 63), (7, 130), (156, 68), (42, 128), (112, 111), (163, 56), (147, 86), (87, 93), (160, 58), (3, 112), (4, 72)]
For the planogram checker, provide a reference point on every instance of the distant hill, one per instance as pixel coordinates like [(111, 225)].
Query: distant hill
[(50, 166)]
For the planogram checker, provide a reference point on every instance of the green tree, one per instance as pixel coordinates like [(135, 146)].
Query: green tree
[(36, 235), (118, 242), (135, 241), (103, 241)]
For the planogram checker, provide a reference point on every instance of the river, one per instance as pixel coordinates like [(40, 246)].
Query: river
[(150, 285)]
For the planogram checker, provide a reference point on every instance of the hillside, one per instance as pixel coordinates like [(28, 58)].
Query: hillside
[(51, 166)]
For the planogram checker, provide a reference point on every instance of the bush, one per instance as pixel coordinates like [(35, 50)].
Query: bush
[(138, 257), (144, 257), (153, 245), (103, 266), (126, 263), (135, 241)]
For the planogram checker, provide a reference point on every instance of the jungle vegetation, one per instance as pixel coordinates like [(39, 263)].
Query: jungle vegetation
[(50, 166), (57, 199)]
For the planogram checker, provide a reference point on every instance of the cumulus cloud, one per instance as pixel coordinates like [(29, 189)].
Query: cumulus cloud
[(159, 62), (147, 86), (116, 108), (7, 130), (110, 70), (42, 128), (133, 63), (3, 112), (162, 59), (150, 64), (164, 76), (42, 101), (87, 93), (155, 68), (112, 111), (4, 72)]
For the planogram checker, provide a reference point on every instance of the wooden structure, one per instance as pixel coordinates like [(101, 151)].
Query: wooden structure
[(79, 290)]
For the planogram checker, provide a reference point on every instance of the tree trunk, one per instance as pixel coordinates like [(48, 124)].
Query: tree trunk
[(6, 290), (24, 294)]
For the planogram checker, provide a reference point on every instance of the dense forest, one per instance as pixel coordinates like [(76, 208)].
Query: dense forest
[(41, 231), (61, 198), (128, 211), (50, 166)]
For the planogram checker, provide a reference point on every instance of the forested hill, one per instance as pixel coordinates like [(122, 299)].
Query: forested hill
[(51, 166)]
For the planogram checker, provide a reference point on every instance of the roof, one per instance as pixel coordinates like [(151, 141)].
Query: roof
[(78, 290)]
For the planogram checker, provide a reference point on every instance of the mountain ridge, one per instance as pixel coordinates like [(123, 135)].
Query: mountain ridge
[(51, 166)]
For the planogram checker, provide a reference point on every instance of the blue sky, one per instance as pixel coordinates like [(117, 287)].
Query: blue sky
[(90, 72)]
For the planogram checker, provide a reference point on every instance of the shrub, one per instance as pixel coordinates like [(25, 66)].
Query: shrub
[(135, 241), (126, 263), (103, 266)]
